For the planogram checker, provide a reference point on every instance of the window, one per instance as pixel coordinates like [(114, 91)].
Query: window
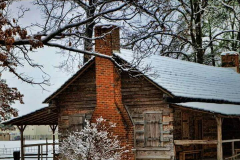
[(153, 129), (76, 122)]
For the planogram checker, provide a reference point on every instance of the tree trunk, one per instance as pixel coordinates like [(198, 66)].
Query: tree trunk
[(88, 42), (198, 23), (211, 44), (88, 45), (200, 54)]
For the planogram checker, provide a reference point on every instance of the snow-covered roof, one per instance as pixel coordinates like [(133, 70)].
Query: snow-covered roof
[(188, 79), (229, 53), (226, 109)]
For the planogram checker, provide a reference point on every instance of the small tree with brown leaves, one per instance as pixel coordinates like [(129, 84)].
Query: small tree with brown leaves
[(8, 96), (8, 61)]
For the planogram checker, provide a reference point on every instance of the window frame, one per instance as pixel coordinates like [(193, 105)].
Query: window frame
[(71, 126)]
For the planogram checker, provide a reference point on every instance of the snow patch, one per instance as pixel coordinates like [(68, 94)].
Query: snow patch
[(229, 53), (107, 26), (226, 109)]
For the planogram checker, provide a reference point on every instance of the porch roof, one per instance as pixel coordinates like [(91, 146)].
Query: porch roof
[(44, 116), (225, 109)]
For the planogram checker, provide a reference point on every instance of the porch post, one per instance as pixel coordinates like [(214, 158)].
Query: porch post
[(219, 138), (53, 127), (21, 129)]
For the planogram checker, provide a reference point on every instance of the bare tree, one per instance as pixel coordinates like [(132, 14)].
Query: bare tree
[(8, 61), (165, 27), (186, 29), (67, 25)]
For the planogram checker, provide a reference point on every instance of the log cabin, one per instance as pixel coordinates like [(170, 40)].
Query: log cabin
[(164, 108)]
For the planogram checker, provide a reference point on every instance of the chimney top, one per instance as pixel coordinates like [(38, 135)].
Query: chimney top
[(110, 39), (230, 59)]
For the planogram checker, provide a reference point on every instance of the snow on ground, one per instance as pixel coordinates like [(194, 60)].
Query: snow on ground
[(7, 148)]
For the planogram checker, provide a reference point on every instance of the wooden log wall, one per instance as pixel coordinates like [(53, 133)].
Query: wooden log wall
[(195, 126), (142, 97), (139, 95), (78, 99)]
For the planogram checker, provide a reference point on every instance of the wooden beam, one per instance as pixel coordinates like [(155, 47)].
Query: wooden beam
[(53, 127), (21, 129), (41, 152), (38, 152), (232, 157), (219, 138), (233, 149), (46, 148), (231, 140), (38, 144), (189, 142)]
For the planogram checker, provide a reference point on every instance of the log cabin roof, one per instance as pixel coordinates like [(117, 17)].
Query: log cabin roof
[(187, 79), (224, 109), (43, 116), (180, 79)]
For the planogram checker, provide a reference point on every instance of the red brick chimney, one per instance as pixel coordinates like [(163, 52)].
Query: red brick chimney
[(108, 88), (230, 60)]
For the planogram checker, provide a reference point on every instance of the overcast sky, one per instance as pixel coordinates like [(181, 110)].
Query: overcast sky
[(34, 95)]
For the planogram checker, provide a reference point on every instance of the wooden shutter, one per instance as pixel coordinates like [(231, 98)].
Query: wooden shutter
[(153, 129), (76, 122)]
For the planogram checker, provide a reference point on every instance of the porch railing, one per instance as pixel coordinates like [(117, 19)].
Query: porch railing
[(189, 142), (206, 142), (234, 154), (39, 149)]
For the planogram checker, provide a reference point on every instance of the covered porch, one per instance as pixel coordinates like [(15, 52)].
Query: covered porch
[(206, 131), (43, 116)]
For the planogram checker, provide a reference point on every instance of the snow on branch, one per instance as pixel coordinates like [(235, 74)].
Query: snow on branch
[(95, 141)]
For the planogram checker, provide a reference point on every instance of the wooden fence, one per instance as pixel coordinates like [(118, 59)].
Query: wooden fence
[(39, 151)]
